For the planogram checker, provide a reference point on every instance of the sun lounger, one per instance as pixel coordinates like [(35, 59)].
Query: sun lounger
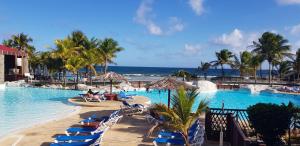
[(93, 118), (65, 138), (79, 140), (196, 136), (122, 95), (95, 98), (132, 108)]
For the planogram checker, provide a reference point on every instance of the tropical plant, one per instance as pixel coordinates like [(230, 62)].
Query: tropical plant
[(73, 64), (254, 63), (243, 63), (109, 49), (296, 63), (53, 64), (204, 68), (271, 47), (284, 67), (180, 117), (62, 52), (183, 74), (223, 57)]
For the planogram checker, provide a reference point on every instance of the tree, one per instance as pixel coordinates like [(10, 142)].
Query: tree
[(180, 116), (53, 64), (109, 48), (296, 63), (271, 47), (183, 74), (21, 42), (271, 121), (204, 68), (223, 57), (284, 67), (254, 63), (62, 52), (73, 64)]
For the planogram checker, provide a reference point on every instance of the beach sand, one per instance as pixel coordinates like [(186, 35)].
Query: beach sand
[(129, 131)]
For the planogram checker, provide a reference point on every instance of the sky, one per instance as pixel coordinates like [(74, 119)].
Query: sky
[(155, 33)]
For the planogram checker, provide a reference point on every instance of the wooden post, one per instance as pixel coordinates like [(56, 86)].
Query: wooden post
[(111, 84)]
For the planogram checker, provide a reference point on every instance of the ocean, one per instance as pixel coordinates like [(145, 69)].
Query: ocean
[(139, 73)]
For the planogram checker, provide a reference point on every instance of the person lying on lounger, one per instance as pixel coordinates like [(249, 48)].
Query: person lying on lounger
[(93, 96)]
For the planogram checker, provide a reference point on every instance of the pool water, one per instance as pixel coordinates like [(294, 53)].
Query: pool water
[(23, 107), (236, 99)]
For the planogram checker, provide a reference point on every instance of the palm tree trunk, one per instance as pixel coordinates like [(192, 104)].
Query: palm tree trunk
[(222, 68), (186, 139), (205, 76), (105, 66), (260, 71), (111, 84), (77, 80), (269, 73), (255, 75), (64, 76), (91, 82)]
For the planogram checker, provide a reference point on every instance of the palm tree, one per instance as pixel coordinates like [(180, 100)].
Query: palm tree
[(182, 73), (204, 68), (271, 47), (53, 64), (180, 116), (74, 64), (22, 42), (254, 63), (284, 67), (223, 57), (109, 48), (62, 51), (91, 57)]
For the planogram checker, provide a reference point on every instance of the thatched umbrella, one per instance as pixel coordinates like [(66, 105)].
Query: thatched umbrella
[(112, 76), (168, 83)]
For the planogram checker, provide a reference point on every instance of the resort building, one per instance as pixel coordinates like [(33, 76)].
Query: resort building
[(13, 64)]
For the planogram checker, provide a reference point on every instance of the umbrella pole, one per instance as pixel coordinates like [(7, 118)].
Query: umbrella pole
[(110, 86), (169, 95)]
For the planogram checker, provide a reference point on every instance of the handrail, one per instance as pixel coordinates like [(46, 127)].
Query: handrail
[(237, 136)]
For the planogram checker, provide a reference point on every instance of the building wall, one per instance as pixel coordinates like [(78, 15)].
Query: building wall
[(1, 68)]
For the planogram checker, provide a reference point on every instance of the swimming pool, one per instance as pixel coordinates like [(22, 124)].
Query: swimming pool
[(23, 107), (236, 99)]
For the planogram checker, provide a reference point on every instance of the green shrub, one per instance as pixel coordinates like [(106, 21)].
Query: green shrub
[(271, 121)]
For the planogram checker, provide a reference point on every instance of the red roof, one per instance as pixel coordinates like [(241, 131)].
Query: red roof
[(10, 51)]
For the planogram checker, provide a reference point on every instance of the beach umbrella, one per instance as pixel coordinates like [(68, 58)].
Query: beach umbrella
[(112, 76), (168, 83)]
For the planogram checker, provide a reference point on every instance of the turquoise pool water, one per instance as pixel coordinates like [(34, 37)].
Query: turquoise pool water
[(23, 107), (237, 99)]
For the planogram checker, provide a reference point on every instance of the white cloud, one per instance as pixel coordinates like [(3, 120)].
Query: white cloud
[(237, 40), (294, 30), (144, 16), (288, 2), (233, 39), (191, 50), (197, 6), (175, 25)]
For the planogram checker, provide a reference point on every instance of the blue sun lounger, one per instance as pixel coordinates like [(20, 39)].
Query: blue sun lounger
[(94, 118), (78, 140), (80, 130), (123, 95), (65, 138), (167, 134), (176, 138)]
